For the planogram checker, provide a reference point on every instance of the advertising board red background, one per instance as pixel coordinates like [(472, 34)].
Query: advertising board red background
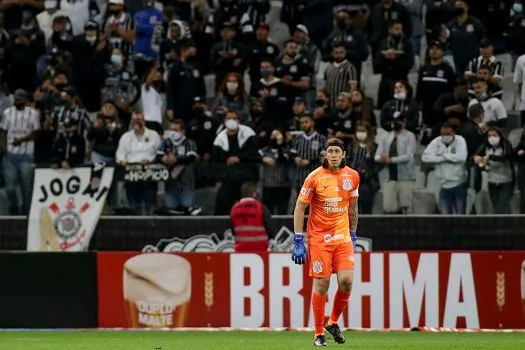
[(391, 290)]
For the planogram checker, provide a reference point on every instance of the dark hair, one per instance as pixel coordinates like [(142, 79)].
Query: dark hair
[(290, 41), (268, 60), (333, 142), (185, 44), (179, 122), (393, 23), (248, 189), (338, 44), (448, 126)]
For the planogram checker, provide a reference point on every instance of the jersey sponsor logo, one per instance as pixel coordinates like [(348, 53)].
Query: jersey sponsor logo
[(347, 184), (306, 191), (327, 238), (337, 237), (317, 267)]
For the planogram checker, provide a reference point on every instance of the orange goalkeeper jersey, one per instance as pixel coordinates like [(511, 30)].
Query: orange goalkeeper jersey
[(329, 196)]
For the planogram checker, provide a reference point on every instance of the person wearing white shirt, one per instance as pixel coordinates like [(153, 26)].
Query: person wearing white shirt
[(139, 145), (45, 18), (495, 112), (448, 153), (151, 100), (519, 79)]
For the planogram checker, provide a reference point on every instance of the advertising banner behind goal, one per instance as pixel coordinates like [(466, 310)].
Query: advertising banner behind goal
[(391, 290)]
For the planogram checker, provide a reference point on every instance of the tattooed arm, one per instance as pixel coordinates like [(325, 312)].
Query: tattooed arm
[(353, 211)]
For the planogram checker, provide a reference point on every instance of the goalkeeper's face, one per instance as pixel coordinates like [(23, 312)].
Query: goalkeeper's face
[(334, 155)]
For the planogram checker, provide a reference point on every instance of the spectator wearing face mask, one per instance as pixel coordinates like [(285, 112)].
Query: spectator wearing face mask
[(151, 101), (53, 64), (342, 125), (360, 155), (119, 28), (402, 107), (495, 157), (273, 93), (232, 96), (179, 153), (393, 60), (363, 108), (69, 149), (79, 12), (121, 84), (354, 41), (448, 153), (145, 21), (396, 152), (169, 47), (139, 145), (495, 111), (235, 151), (46, 17), (227, 56), (275, 177), (28, 45), (435, 78), (379, 24), (516, 31), (466, 33), (260, 125), (19, 126), (322, 112), (259, 50)]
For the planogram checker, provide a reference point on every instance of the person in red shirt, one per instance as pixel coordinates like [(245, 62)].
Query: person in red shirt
[(331, 191)]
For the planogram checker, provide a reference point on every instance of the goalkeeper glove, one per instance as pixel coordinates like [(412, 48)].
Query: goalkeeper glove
[(299, 249), (353, 235)]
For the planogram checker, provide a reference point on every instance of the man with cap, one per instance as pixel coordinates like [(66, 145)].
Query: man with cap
[(486, 59), (45, 18), (435, 78), (259, 49), (19, 126), (332, 192), (228, 55), (202, 128), (69, 148)]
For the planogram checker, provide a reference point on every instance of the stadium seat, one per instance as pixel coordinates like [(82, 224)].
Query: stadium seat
[(205, 198), (515, 136), (424, 201)]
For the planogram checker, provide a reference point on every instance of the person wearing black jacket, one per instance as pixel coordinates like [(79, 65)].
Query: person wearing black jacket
[(452, 106), (273, 93), (69, 148), (519, 155), (259, 50), (353, 40), (516, 31), (181, 88), (380, 20), (473, 130), (236, 157), (263, 127), (439, 12), (105, 134), (401, 107), (227, 56), (393, 60), (435, 78)]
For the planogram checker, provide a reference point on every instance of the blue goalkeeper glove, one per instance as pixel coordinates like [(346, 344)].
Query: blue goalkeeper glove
[(299, 249), (353, 235)]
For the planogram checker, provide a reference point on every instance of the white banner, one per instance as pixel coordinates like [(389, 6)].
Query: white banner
[(66, 206)]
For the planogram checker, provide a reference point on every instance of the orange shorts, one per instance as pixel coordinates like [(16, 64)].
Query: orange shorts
[(326, 259)]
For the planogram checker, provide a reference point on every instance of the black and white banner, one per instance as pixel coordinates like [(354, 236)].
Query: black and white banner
[(66, 207), (153, 172)]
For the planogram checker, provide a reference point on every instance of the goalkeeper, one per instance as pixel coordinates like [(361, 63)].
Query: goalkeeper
[(331, 191)]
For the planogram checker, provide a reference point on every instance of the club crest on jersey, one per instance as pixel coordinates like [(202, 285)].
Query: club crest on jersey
[(347, 184), (317, 267)]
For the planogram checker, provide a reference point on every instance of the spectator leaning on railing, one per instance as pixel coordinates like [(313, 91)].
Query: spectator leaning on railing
[(139, 145), (448, 153)]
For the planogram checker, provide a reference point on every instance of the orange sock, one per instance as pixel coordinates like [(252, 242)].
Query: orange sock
[(318, 306), (340, 304)]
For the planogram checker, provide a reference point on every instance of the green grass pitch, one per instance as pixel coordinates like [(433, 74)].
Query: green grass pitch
[(128, 340)]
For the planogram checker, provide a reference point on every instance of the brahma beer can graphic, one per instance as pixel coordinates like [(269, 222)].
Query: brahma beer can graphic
[(157, 290)]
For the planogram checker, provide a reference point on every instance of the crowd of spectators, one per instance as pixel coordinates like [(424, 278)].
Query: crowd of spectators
[(123, 82)]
